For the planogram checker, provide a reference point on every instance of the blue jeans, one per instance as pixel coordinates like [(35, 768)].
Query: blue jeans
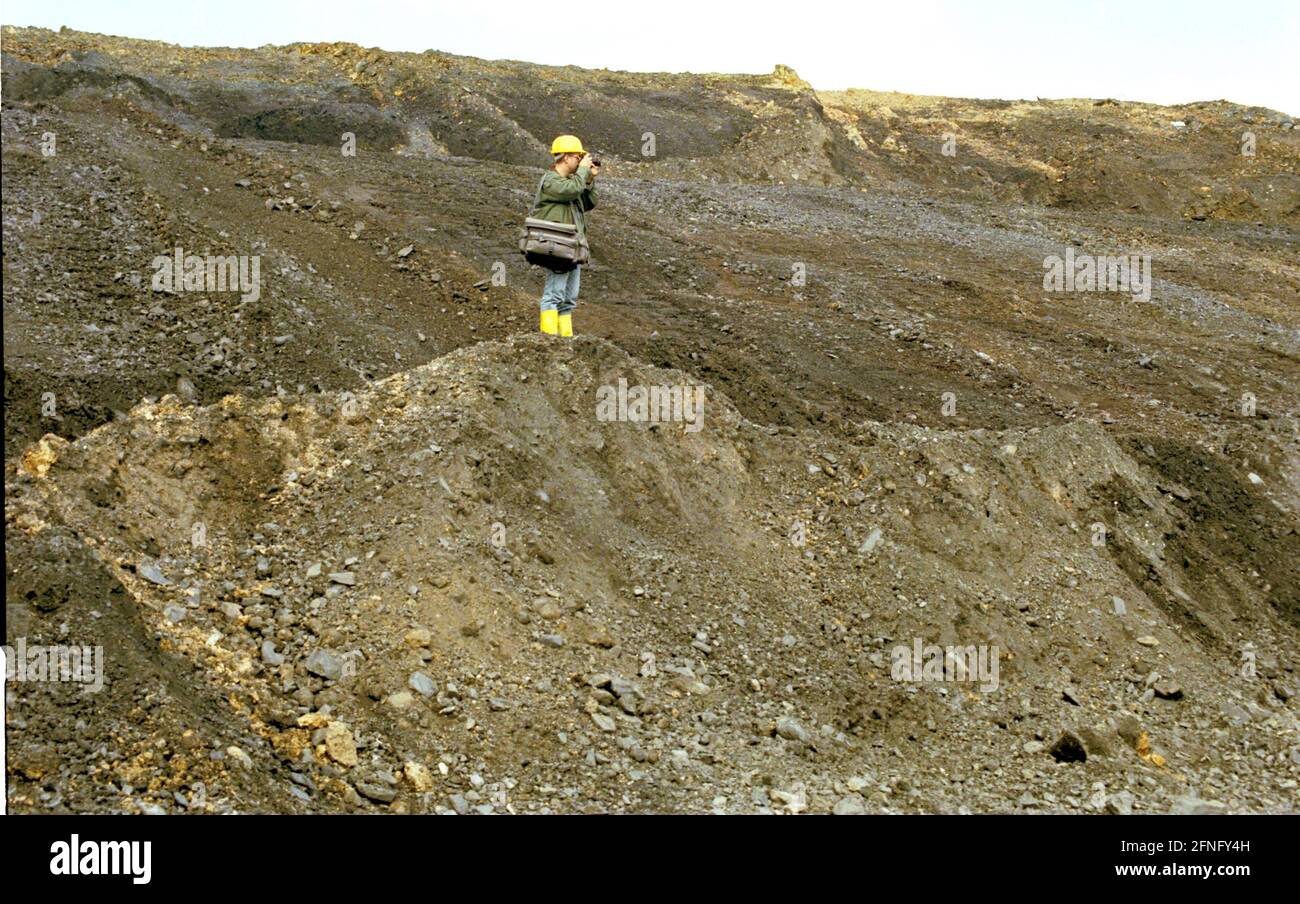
[(561, 290)]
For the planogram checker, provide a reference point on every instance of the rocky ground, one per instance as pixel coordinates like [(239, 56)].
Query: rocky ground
[(363, 543)]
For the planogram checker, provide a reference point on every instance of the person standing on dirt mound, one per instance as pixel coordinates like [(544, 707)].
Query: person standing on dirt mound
[(567, 192)]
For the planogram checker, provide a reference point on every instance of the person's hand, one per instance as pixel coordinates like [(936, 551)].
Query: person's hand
[(585, 161)]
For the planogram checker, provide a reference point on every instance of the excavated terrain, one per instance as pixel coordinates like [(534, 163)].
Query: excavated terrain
[(362, 541)]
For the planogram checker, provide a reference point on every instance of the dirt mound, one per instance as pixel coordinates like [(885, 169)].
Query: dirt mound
[(467, 587), (1189, 161), (1207, 160), (321, 314), (318, 125)]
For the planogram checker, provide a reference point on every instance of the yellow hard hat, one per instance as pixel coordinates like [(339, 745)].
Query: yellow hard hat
[(567, 144)]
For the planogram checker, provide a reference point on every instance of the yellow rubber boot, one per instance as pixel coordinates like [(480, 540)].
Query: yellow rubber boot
[(566, 324), (550, 322)]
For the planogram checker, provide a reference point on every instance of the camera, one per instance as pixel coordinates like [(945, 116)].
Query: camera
[(595, 161)]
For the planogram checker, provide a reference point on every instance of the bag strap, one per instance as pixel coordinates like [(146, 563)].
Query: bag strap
[(579, 217), (537, 198)]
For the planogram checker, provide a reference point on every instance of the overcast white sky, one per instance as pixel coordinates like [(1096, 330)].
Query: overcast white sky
[(1163, 51)]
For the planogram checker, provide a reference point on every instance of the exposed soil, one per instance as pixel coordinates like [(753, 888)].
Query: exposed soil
[(368, 529)]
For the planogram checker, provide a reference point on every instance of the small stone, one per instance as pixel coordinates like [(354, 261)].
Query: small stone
[(346, 578), (1095, 741), (1120, 804), (852, 805), (313, 720), (791, 730), (1098, 799), (1167, 690), (1118, 605), (423, 684), (1190, 805), (377, 792), (419, 776), (239, 757), (1147, 640), (795, 800), (1130, 731), (598, 635), (174, 613), (1236, 714), (623, 688), (152, 573), (325, 664), (418, 637), (689, 685), (269, 656), (340, 746)]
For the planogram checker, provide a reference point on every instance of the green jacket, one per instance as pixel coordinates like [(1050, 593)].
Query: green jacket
[(564, 200)]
